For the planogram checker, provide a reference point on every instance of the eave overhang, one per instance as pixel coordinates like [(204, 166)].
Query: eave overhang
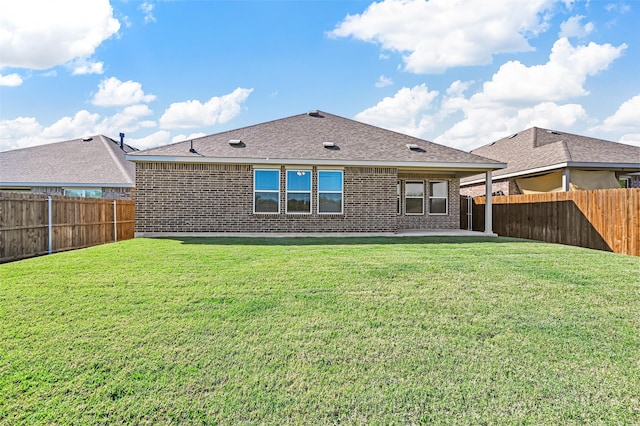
[(463, 167), (67, 184), (623, 167)]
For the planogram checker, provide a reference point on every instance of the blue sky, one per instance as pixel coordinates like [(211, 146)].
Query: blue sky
[(461, 73)]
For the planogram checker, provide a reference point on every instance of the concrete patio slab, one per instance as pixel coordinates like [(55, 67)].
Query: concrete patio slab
[(404, 233)]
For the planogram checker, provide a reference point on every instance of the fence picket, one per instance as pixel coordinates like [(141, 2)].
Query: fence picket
[(606, 219), (77, 222)]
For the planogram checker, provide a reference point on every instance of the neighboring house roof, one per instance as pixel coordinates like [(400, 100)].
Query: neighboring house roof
[(90, 162), (300, 140), (537, 150)]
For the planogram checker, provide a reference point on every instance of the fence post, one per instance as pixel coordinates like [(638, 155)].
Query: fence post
[(115, 223), (49, 225)]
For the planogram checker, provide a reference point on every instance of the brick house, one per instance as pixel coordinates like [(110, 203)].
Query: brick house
[(93, 166), (542, 160), (313, 172)]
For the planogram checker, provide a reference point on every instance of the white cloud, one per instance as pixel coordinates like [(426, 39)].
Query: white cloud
[(147, 9), (483, 125), (457, 88), (41, 34), (82, 66), (11, 80), (113, 92), (440, 34), (405, 112), (70, 127), (23, 132), (19, 133), (625, 121), (516, 97), (626, 118), (506, 105), (573, 27), (562, 77), (631, 139), (193, 113), (127, 120), (181, 137), (161, 137), (619, 7), (383, 82)]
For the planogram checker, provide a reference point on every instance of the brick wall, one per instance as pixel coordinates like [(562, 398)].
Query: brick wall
[(174, 197)]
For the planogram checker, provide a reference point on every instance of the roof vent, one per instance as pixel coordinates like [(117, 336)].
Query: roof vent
[(553, 132), (192, 149), (314, 113), (328, 144), (87, 139), (236, 143), (512, 136), (414, 147)]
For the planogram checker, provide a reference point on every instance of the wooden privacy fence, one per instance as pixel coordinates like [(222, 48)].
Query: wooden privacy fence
[(607, 219), (36, 224)]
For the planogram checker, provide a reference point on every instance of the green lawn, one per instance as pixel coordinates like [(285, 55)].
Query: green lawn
[(321, 331)]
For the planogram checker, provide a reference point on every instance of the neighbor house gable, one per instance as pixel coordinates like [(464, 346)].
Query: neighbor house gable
[(538, 151), (89, 163)]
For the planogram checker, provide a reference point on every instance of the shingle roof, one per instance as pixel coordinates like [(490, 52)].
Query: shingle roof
[(537, 148), (301, 137), (98, 161)]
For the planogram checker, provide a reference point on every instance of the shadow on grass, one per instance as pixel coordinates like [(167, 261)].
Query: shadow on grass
[(311, 241)]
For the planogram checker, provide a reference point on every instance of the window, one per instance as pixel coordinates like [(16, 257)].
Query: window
[(330, 191), (89, 193), (438, 196), (414, 198), (398, 196), (266, 191), (625, 182), (298, 191)]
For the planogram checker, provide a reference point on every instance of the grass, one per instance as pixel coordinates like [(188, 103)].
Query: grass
[(321, 331)]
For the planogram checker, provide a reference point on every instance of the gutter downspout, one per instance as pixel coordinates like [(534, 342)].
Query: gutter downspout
[(566, 179)]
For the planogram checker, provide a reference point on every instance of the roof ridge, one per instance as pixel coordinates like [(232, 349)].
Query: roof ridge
[(534, 136), (233, 130), (567, 151), (109, 146)]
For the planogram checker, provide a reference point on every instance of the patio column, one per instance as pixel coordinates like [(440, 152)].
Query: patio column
[(488, 211)]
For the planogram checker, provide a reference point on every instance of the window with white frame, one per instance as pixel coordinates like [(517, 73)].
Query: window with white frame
[(81, 192), (266, 191), (414, 198), (298, 191), (330, 186), (438, 197)]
